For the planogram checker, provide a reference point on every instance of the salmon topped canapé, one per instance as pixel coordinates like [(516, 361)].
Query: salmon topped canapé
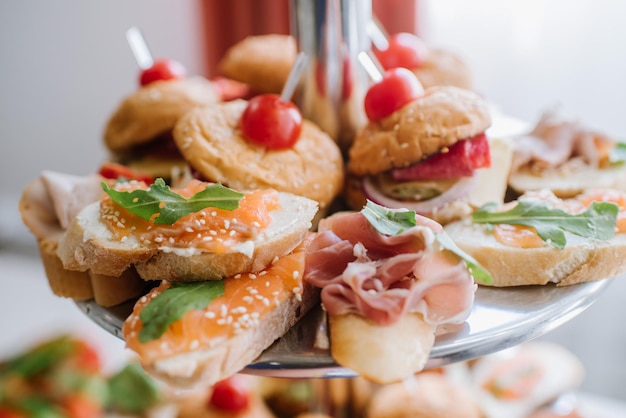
[(209, 229), (238, 304)]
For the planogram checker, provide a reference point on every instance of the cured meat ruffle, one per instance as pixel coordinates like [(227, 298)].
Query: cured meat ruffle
[(382, 277)]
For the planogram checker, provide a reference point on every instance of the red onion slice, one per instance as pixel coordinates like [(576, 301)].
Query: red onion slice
[(460, 189)]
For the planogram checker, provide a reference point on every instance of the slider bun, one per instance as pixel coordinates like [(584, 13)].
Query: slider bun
[(426, 395), (263, 61), (443, 68), (210, 140), (443, 116), (153, 110), (88, 244)]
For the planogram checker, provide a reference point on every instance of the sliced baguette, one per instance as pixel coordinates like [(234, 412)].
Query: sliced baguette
[(405, 345), (207, 365), (581, 260), (47, 205), (568, 182), (88, 244)]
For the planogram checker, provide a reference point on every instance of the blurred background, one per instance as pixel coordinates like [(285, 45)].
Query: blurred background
[(66, 65)]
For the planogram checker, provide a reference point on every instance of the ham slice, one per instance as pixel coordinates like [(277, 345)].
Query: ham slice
[(383, 277)]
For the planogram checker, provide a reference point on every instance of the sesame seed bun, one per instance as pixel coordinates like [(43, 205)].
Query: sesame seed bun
[(210, 140), (154, 109), (442, 117)]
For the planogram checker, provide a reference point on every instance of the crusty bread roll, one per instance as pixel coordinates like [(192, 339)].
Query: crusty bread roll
[(581, 260), (210, 140), (426, 395), (154, 109), (261, 61), (406, 345), (47, 205), (443, 116), (444, 68), (89, 244)]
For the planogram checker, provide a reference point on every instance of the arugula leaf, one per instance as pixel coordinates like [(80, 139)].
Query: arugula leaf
[(40, 358), (386, 221), (478, 272), (597, 222), (132, 391), (173, 303), (394, 222), (170, 206), (618, 154)]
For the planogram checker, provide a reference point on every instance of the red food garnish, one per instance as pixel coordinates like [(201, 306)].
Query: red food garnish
[(110, 170), (231, 394), (231, 89), (405, 50), (460, 160), (398, 87), (165, 69), (271, 122), (80, 406), (6, 412)]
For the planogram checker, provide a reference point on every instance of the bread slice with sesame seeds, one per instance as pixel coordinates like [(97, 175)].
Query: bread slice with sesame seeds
[(89, 243)]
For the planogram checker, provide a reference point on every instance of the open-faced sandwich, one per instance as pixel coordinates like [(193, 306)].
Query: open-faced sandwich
[(541, 238), (425, 150), (48, 206), (564, 156), (389, 278)]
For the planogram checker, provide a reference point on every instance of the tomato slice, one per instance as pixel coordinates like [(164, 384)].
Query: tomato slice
[(461, 160), (111, 170)]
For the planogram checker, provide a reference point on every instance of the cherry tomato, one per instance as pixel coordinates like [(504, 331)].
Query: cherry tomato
[(405, 50), (165, 69), (110, 170), (231, 394), (271, 122), (398, 87), (87, 358)]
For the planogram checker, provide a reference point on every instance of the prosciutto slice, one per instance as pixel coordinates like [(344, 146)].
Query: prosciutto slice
[(383, 277)]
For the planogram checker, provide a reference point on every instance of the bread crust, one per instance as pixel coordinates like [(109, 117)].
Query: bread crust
[(444, 68), (154, 109), (443, 116), (381, 354), (210, 140), (207, 366), (582, 260), (88, 245), (261, 61)]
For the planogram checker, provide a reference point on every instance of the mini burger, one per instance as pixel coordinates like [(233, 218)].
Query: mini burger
[(139, 132), (425, 150)]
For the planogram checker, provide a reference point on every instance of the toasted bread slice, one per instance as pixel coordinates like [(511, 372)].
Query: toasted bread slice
[(89, 244), (581, 260)]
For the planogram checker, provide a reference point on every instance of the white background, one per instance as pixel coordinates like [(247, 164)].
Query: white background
[(65, 65)]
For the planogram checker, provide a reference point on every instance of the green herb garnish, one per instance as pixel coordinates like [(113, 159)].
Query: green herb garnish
[(618, 154), (132, 390), (170, 206), (596, 222), (386, 221), (173, 303), (394, 222)]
